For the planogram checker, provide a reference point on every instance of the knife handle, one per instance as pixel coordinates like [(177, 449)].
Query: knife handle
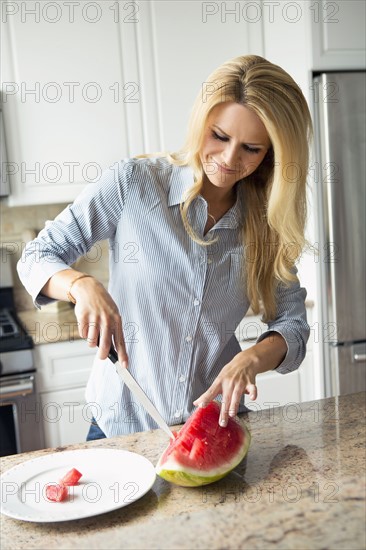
[(113, 356)]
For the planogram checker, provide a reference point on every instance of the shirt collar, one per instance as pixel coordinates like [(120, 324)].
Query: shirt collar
[(182, 178), (233, 217)]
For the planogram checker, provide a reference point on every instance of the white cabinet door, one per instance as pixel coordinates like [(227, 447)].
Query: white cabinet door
[(65, 417), (63, 370), (64, 95), (275, 389), (63, 365), (180, 43), (338, 32)]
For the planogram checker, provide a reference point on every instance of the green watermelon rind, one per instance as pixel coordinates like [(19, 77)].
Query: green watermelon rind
[(188, 480), (188, 477)]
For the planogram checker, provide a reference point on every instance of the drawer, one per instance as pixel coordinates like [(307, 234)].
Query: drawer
[(63, 365)]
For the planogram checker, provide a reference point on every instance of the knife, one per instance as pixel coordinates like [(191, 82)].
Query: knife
[(138, 392)]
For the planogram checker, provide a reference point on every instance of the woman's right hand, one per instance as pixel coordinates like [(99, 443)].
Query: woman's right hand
[(96, 312), (98, 317)]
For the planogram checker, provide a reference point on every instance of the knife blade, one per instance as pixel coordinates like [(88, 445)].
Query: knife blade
[(138, 392)]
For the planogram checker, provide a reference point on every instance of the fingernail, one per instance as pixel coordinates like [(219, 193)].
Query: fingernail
[(124, 364), (223, 423)]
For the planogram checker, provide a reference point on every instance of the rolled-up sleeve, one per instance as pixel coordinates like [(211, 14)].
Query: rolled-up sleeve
[(92, 217), (291, 323)]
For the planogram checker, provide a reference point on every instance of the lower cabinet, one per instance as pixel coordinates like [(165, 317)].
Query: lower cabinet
[(63, 370), (275, 389), (288, 390), (65, 419)]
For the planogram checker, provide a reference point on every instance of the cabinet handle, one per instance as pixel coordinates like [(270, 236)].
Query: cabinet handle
[(359, 357)]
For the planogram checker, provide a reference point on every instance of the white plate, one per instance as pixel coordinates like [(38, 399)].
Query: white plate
[(111, 479)]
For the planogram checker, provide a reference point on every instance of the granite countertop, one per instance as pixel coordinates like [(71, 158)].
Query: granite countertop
[(302, 486), (52, 325)]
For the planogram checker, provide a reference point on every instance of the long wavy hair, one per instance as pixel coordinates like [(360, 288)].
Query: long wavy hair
[(274, 195)]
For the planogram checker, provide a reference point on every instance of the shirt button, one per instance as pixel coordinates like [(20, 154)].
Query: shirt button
[(182, 378), (188, 338), (178, 414), (209, 261), (196, 302)]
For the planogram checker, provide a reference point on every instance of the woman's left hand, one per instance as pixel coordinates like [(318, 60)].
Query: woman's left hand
[(238, 376), (235, 379)]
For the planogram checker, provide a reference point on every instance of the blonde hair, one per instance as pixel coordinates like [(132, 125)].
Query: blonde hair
[(275, 193)]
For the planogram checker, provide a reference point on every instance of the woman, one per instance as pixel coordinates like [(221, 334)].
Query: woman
[(196, 237)]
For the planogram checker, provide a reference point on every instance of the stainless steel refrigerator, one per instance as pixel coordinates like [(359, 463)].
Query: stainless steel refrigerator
[(340, 123)]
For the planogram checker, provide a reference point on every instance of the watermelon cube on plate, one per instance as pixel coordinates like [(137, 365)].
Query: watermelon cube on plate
[(71, 478), (56, 492)]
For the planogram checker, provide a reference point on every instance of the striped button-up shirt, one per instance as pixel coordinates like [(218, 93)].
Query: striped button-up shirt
[(180, 302)]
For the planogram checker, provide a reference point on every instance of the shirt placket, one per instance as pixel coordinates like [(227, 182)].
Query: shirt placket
[(189, 333)]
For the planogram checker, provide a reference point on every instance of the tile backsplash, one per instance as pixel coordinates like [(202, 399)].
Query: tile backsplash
[(17, 225)]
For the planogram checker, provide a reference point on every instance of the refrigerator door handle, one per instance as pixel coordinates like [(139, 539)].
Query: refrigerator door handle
[(359, 353)]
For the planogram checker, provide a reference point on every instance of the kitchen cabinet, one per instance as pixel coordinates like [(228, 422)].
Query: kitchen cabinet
[(305, 37), (181, 43), (63, 369), (338, 34), (65, 97), (86, 84), (64, 416), (118, 78), (275, 389)]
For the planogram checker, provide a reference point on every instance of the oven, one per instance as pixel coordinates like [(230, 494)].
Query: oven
[(21, 427), (20, 415)]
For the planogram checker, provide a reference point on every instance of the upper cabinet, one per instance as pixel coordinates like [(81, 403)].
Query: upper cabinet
[(68, 98), (338, 34), (180, 44), (309, 36), (85, 84)]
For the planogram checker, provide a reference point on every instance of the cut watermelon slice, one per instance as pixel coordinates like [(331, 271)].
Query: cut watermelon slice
[(203, 451)]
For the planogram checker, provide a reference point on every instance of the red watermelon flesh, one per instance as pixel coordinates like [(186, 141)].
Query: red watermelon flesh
[(203, 451)]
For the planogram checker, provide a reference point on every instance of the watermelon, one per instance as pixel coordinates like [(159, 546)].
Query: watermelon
[(56, 492), (71, 478), (202, 451)]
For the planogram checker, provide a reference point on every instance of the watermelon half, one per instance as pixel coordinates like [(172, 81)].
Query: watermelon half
[(203, 451)]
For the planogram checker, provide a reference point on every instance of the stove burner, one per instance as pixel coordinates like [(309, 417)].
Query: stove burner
[(13, 336), (8, 326)]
